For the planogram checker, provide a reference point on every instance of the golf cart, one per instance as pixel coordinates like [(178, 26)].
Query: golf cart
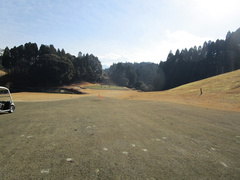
[(6, 102)]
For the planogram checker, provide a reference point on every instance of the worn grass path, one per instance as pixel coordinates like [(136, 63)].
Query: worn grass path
[(89, 138)]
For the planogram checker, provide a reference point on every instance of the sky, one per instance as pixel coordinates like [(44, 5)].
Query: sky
[(117, 30)]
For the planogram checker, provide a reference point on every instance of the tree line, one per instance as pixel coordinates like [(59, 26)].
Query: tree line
[(134, 75), (43, 66), (46, 65), (1, 53), (185, 66)]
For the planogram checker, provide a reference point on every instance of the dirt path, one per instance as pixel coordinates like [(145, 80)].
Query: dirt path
[(89, 138)]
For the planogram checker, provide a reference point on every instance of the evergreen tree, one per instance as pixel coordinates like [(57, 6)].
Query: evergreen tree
[(48, 66), (131, 76), (6, 59)]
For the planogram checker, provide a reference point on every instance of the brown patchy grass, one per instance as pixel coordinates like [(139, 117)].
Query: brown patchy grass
[(220, 92), (39, 97)]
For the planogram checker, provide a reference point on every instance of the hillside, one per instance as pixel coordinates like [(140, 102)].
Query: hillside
[(185, 66), (218, 92)]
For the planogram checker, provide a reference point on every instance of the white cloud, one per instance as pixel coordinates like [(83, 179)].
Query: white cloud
[(152, 54), (183, 39), (155, 51), (110, 58), (158, 49)]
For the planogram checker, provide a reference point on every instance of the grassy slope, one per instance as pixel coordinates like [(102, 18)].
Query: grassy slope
[(219, 92)]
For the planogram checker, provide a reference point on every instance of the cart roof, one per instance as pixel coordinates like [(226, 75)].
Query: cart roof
[(3, 88)]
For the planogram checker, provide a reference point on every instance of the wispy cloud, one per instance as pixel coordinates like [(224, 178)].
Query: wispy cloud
[(155, 51), (182, 39)]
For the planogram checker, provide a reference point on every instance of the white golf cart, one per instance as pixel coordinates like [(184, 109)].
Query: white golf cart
[(6, 102)]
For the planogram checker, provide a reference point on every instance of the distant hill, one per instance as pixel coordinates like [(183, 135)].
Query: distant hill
[(225, 86), (218, 92), (211, 59), (185, 66)]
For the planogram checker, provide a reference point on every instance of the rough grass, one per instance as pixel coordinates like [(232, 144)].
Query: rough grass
[(91, 138), (105, 87), (125, 135)]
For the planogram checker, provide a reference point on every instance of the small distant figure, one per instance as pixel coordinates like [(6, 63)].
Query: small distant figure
[(200, 92), (99, 96)]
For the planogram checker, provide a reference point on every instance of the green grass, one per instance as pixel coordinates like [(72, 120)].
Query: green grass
[(106, 87), (118, 139)]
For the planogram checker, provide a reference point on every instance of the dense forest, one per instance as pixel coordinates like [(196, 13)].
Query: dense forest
[(184, 66), (138, 75), (45, 66), (28, 65)]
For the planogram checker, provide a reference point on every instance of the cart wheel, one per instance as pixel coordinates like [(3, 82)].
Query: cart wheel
[(12, 108)]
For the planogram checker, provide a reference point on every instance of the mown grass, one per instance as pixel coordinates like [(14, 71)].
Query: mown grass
[(118, 139), (106, 87)]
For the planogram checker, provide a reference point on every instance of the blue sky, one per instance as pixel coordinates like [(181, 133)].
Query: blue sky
[(117, 30)]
